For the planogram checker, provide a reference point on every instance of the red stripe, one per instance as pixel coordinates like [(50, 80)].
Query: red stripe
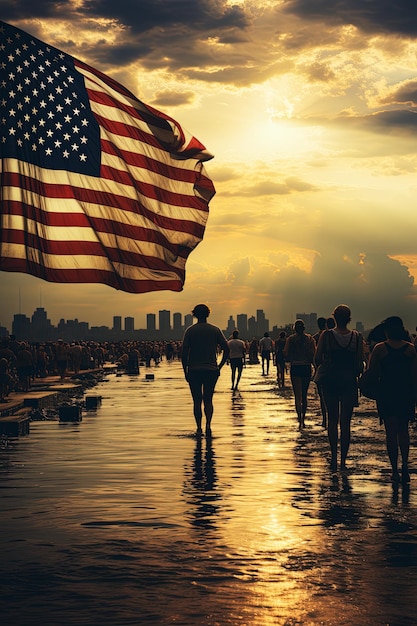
[(146, 162), (88, 276), (135, 233), (84, 195), (90, 248)]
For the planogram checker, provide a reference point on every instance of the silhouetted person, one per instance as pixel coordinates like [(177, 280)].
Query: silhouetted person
[(199, 360), (395, 362), (321, 323), (279, 358), (299, 351), (266, 345), (237, 355), (344, 349)]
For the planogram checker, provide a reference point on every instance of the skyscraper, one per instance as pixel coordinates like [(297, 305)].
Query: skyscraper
[(151, 322), (164, 321), (117, 323)]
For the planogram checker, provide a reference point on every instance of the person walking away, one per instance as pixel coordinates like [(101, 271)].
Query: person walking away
[(24, 366), (343, 350), (266, 346), (199, 361), (279, 346), (61, 356), (299, 351), (395, 363), (321, 323), (237, 357)]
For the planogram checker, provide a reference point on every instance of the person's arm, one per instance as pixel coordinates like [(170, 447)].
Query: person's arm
[(226, 350), (185, 354), (287, 349), (319, 353)]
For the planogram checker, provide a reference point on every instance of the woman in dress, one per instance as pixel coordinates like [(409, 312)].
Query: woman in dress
[(395, 362)]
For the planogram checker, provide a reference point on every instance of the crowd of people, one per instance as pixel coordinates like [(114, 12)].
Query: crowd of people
[(334, 359)]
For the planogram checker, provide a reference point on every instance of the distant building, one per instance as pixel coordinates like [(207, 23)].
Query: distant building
[(164, 323), (360, 327), (177, 325), (151, 322), (129, 324), (242, 324), (117, 323), (41, 327), (231, 326), (310, 321), (21, 327), (188, 320)]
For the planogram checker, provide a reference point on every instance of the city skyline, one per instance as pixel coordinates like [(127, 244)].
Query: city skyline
[(171, 325)]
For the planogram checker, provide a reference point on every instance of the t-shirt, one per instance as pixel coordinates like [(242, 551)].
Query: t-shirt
[(201, 341), (237, 348)]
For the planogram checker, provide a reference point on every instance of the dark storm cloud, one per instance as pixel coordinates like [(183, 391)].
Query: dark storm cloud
[(205, 16), (172, 98), (370, 16), (162, 33), (398, 122), (405, 94)]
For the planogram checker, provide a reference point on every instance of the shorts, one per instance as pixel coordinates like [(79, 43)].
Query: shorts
[(265, 354), (236, 362), (203, 377)]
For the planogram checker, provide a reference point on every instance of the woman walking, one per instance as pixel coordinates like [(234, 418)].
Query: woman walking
[(342, 349), (394, 361), (299, 351)]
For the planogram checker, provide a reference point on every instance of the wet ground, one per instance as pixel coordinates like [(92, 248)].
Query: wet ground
[(128, 519)]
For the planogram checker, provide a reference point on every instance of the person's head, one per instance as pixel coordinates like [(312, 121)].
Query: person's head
[(282, 334), (330, 323), (394, 328), (321, 323), (266, 334), (342, 315), (235, 334), (299, 326), (201, 311)]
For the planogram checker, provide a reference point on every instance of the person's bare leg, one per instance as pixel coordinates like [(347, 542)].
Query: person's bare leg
[(197, 395)]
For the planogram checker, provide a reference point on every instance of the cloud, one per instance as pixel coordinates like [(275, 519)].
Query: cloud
[(405, 93), (370, 16), (172, 98)]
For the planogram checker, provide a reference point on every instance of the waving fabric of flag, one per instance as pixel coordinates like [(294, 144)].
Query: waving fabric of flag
[(96, 187)]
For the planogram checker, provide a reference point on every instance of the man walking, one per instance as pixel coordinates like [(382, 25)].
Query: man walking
[(199, 360)]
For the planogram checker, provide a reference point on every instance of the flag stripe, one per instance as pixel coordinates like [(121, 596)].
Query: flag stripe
[(151, 281), (19, 229), (87, 197), (96, 185)]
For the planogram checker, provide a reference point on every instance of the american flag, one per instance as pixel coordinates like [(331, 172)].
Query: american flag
[(96, 186)]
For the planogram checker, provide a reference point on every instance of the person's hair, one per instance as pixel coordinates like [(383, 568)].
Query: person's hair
[(266, 334), (235, 334), (201, 311), (394, 328), (299, 326), (342, 314), (321, 323), (330, 323), (283, 334)]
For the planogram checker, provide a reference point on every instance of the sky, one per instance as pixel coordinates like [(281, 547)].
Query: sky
[(310, 110)]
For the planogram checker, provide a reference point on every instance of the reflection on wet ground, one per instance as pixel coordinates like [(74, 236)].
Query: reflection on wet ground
[(128, 519)]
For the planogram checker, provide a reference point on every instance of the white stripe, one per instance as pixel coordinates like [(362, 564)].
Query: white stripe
[(63, 178), (107, 240), (86, 262)]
